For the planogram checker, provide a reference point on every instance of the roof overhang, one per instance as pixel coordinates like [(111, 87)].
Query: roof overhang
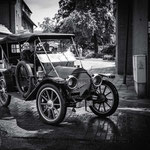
[(28, 19), (14, 38), (27, 6)]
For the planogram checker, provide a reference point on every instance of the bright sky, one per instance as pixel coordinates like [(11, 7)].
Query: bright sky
[(42, 8)]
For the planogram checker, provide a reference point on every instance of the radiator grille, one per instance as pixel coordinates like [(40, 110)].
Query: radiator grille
[(84, 83)]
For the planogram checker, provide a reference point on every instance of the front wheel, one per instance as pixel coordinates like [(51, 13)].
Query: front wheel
[(107, 100), (4, 97), (50, 104)]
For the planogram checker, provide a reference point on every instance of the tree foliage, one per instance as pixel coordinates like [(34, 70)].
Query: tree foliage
[(48, 25), (92, 21)]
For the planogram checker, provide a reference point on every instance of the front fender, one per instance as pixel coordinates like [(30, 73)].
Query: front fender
[(108, 75), (58, 82)]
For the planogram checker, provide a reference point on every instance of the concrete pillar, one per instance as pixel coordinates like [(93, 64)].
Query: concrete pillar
[(140, 38), (122, 22)]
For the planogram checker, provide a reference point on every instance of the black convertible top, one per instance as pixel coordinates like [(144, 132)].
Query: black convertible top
[(15, 38)]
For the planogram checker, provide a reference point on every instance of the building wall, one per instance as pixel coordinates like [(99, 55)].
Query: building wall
[(7, 16), (5, 11), (11, 16), (148, 58), (27, 25), (18, 16)]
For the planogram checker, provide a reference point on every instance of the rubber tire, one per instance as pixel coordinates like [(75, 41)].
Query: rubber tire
[(29, 72), (5, 104), (64, 108), (116, 101)]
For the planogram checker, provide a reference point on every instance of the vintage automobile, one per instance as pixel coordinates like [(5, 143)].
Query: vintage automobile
[(41, 67)]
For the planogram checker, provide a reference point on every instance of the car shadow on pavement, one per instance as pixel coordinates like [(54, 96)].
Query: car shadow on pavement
[(5, 113), (74, 127)]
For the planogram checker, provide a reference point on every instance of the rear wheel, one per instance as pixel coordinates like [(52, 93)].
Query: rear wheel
[(107, 100), (4, 97), (23, 78), (50, 104)]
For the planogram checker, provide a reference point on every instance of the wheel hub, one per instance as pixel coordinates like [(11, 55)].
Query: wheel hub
[(3, 90), (50, 104), (102, 97)]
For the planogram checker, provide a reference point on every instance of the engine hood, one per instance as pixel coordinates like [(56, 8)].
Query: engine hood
[(81, 74), (64, 71)]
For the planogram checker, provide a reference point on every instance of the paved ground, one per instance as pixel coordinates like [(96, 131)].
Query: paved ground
[(93, 64), (127, 128)]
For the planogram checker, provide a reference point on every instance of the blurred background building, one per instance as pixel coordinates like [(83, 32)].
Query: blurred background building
[(15, 17)]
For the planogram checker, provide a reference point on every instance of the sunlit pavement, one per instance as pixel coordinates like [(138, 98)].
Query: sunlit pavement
[(93, 63), (127, 128)]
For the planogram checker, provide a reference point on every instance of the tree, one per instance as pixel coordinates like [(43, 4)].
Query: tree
[(91, 20), (48, 25), (80, 23)]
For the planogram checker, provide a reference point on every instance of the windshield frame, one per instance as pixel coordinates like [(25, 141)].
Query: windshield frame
[(40, 41)]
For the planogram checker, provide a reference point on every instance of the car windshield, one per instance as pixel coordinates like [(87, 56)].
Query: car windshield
[(55, 52)]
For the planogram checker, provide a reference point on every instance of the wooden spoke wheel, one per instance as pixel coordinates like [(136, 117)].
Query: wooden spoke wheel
[(50, 104), (23, 78), (4, 97), (107, 100)]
